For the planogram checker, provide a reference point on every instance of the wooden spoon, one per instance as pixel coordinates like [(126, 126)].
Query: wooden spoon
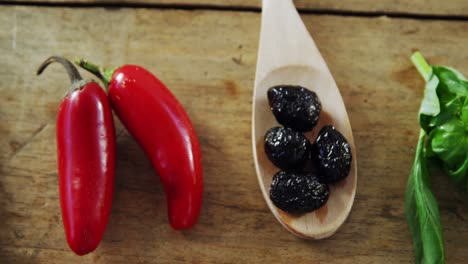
[(288, 55)]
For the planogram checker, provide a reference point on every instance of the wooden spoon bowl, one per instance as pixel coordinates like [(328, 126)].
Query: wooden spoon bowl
[(281, 62)]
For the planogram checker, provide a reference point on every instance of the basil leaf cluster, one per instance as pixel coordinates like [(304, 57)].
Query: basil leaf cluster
[(443, 117)]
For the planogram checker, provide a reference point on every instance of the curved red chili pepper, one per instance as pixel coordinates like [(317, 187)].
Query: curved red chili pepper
[(86, 160), (158, 122)]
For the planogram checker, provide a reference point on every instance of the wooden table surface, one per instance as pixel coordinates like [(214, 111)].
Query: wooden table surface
[(206, 53)]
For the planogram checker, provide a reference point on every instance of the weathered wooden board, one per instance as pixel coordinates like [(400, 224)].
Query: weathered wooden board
[(421, 7), (208, 59)]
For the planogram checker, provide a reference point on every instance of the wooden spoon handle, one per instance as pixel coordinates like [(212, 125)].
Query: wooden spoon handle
[(284, 40)]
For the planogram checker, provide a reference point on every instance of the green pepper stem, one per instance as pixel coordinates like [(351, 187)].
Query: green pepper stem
[(421, 64), (104, 74), (77, 81), (69, 67)]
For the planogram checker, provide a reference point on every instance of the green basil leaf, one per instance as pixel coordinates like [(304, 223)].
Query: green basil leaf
[(444, 95), (443, 116), (422, 212), (449, 142), (464, 112), (430, 106), (450, 109), (452, 83)]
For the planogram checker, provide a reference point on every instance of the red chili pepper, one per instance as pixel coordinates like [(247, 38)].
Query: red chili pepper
[(86, 160), (158, 122)]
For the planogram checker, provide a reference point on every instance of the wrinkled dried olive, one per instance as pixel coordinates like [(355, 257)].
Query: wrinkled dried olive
[(332, 154), (298, 193), (286, 148), (294, 106)]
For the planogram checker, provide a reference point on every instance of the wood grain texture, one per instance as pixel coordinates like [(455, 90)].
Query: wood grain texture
[(419, 7), (208, 60)]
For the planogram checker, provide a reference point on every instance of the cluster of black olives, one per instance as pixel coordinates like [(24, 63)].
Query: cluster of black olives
[(295, 189)]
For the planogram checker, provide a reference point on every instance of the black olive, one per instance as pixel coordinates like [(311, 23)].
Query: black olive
[(286, 148), (298, 193), (294, 106), (332, 154)]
